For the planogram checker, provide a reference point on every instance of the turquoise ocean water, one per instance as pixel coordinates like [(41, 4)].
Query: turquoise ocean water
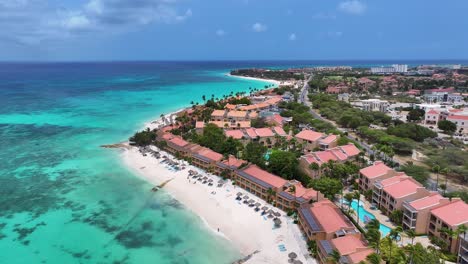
[(63, 199), (66, 200)]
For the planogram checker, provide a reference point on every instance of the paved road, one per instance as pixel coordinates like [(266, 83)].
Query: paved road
[(304, 99)]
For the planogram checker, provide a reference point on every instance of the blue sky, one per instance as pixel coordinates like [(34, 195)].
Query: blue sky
[(232, 29)]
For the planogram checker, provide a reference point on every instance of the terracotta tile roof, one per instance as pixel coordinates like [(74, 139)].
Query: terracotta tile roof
[(236, 134), (218, 113), (279, 130), (339, 154), (178, 141), (329, 216), (433, 199), (348, 244), (403, 188), (393, 180), (230, 106), (253, 115), (376, 170), (199, 124), (329, 139), (264, 132), (432, 112), (238, 124), (350, 150), (265, 176), (210, 154), (458, 117), (325, 156), (234, 162), (309, 135), (360, 255), (237, 114), (453, 214), (251, 132)]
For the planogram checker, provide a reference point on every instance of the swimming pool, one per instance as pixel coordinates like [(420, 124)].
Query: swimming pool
[(365, 216)]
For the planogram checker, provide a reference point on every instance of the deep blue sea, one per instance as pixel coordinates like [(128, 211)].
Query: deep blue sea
[(63, 199)]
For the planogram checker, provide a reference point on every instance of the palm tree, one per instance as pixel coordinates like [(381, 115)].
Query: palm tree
[(374, 258), (335, 256), (445, 172), (349, 199), (204, 98), (436, 169), (357, 196), (393, 236), (314, 167), (411, 234), (271, 193)]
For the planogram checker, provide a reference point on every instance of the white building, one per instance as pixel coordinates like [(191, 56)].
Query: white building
[(375, 105), (395, 68)]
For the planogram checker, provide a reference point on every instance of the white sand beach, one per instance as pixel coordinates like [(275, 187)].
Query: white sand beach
[(246, 229), (275, 82)]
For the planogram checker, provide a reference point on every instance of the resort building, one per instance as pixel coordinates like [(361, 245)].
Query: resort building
[(285, 194), (365, 83), (416, 213), (461, 121), (323, 220), (389, 194), (227, 167), (176, 145), (337, 154), (294, 195), (205, 158), (351, 248), (375, 105), (330, 141), (442, 95), (266, 104), (449, 217), (369, 175), (463, 249), (309, 139), (432, 117), (338, 89)]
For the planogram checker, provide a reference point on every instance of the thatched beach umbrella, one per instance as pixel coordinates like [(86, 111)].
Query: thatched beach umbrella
[(297, 262), (251, 201), (264, 208), (270, 211), (277, 222), (239, 194), (246, 197), (292, 255), (210, 180), (277, 214), (257, 204)]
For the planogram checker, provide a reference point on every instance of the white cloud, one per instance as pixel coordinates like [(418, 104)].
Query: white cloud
[(354, 7), (220, 32), (292, 37), (34, 21), (258, 27)]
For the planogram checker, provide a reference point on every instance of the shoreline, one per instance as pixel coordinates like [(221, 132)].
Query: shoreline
[(220, 212), (235, 221), (275, 82)]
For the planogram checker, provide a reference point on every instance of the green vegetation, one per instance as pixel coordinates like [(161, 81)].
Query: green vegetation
[(447, 126), (254, 152), (419, 173), (401, 146), (300, 115), (415, 115), (143, 138), (214, 138), (451, 157), (283, 163), (412, 131), (328, 186)]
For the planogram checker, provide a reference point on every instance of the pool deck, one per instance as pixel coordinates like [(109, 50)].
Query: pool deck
[(383, 219)]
